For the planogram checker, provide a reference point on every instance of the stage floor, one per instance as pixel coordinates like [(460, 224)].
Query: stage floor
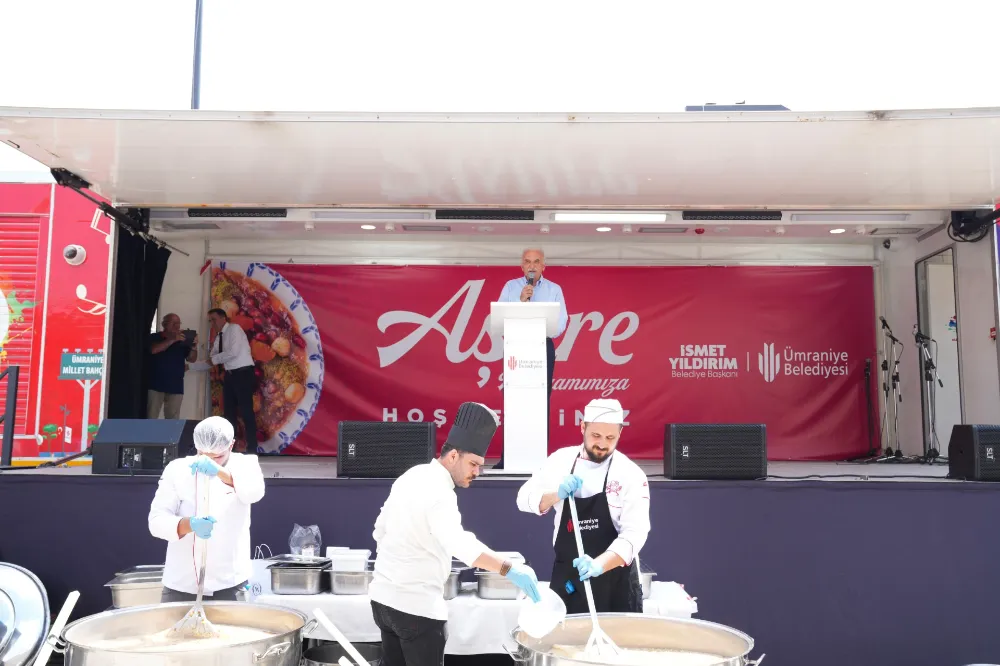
[(326, 468)]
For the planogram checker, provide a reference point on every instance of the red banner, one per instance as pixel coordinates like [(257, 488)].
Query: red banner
[(784, 346)]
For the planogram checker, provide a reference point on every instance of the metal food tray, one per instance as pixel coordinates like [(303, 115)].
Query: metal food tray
[(135, 590), (296, 580), (141, 569), (350, 582), (299, 561), (491, 585)]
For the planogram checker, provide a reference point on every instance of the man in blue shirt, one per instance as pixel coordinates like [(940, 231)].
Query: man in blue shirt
[(532, 287), (169, 352)]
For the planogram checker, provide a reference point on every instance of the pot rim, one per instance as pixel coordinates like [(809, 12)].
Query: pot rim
[(678, 620), (136, 609)]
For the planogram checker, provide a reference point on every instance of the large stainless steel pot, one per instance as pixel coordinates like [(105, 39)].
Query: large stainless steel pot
[(282, 648), (639, 632)]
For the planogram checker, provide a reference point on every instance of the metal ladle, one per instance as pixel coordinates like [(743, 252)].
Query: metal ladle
[(599, 642)]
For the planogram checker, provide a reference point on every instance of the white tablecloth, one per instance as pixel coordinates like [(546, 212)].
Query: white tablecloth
[(475, 626)]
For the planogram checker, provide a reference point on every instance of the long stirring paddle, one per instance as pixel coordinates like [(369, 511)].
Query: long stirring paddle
[(599, 641), (195, 623)]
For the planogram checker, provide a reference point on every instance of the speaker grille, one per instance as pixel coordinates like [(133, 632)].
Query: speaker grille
[(379, 450), (974, 452), (715, 451), (140, 446)]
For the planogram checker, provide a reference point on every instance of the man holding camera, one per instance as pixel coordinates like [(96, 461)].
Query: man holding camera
[(169, 353)]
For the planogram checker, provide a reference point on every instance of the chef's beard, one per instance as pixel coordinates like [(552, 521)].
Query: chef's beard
[(597, 457)]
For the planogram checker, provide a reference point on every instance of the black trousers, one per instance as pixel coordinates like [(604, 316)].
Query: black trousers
[(237, 400), (409, 640), (550, 366)]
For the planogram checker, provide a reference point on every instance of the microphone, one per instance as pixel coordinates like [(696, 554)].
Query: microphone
[(885, 325), (918, 336), (532, 275)]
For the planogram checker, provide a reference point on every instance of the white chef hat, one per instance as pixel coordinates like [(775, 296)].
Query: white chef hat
[(214, 435), (604, 410)]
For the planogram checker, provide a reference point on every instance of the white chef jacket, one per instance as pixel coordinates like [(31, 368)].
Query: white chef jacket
[(627, 489), (177, 496), (417, 532), (235, 349)]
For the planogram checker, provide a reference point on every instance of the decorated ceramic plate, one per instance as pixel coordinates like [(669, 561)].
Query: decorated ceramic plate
[(284, 342)]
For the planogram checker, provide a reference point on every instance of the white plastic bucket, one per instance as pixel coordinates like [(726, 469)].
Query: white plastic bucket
[(538, 619)]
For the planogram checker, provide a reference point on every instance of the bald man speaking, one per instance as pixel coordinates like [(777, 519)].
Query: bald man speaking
[(536, 289)]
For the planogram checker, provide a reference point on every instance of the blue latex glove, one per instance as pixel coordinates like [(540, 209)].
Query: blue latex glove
[(569, 486), (524, 577), (202, 527), (587, 567), (205, 466)]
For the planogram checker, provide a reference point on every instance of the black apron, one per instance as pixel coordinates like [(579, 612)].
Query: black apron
[(615, 591)]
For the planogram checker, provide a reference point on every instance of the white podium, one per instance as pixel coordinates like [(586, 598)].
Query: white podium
[(524, 327)]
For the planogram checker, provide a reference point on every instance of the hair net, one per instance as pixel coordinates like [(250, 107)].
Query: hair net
[(214, 435), (604, 411)]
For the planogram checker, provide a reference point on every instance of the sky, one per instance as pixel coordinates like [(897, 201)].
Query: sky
[(482, 55)]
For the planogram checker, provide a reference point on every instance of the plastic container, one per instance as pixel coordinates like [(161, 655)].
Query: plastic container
[(350, 561), (538, 620)]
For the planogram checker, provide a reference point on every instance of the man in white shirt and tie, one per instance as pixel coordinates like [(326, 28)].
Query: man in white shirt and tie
[(533, 288), (231, 350), (612, 500), (418, 532)]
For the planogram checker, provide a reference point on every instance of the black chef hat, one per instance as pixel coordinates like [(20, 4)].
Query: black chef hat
[(473, 428)]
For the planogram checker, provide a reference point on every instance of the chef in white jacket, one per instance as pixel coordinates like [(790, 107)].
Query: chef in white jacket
[(418, 531), (612, 500), (232, 482)]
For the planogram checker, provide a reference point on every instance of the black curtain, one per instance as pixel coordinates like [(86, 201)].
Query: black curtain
[(141, 266)]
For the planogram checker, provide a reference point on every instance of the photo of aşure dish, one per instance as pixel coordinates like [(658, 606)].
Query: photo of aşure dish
[(281, 361)]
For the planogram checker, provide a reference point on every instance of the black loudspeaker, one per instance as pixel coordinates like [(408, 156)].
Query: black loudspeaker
[(974, 453), (715, 451), (381, 450), (140, 446)]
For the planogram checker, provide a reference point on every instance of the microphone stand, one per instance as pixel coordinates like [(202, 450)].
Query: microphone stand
[(931, 381), (892, 350), (872, 451)]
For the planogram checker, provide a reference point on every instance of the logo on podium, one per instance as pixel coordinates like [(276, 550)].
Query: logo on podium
[(512, 363)]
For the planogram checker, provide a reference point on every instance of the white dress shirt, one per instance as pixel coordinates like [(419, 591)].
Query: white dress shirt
[(235, 348), (628, 494), (546, 291), (417, 532), (228, 562)]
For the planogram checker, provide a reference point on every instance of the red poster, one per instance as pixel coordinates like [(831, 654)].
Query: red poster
[(784, 346)]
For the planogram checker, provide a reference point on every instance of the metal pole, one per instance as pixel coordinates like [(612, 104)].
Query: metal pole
[(196, 75), (9, 416)]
